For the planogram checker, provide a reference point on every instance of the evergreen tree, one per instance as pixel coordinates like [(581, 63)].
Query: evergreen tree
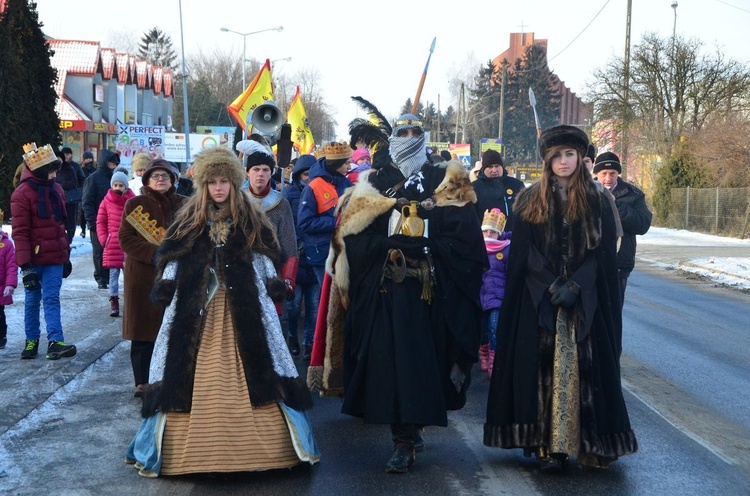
[(27, 86), (680, 172), (156, 47), (519, 127)]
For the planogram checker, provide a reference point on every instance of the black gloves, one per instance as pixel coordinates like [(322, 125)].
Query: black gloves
[(67, 269), (30, 278), (564, 294)]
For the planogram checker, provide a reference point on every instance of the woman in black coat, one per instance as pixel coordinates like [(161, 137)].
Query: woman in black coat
[(555, 388)]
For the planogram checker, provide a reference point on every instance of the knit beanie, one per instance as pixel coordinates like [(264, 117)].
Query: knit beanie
[(607, 160), (491, 157), (591, 153), (119, 176), (361, 152), (254, 153)]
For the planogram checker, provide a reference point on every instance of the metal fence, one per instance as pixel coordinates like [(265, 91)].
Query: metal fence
[(721, 211)]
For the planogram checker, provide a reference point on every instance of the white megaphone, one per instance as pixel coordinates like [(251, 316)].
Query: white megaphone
[(266, 119)]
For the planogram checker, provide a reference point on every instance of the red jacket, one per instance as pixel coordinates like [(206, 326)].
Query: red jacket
[(38, 210), (107, 226), (8, 268)]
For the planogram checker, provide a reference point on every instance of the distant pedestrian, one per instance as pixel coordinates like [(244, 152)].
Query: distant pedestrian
[(495, 188), (38, 220), (145, 220), (635, 216), (107, 228), (138, 167), (71, 178), (8, 279), (88, 167), (95, 188)]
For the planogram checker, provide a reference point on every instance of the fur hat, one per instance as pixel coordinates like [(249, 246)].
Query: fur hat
[(591, 153), (607, 160), (140, 161), (494, 220), (159, 164), (361, 152), (571, 136), (491, 157), (217, 161), (255, 153), (120, 176)]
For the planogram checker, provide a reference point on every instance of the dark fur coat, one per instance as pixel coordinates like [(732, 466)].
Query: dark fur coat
[(234, 265)]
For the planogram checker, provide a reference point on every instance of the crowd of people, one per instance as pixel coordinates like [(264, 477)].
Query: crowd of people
[(401, 269)]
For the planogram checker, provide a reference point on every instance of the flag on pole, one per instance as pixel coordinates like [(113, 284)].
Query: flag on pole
[(259, 90), (301, 133)]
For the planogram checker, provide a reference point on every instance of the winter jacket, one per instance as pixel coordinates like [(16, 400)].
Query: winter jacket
[(88, 169), (293, 193), (38, 210), (71, 178), (315, 217), (95, 189), (497, 192), (493, 280), (635, 218), (142, 318), (8, 267), (108, 225)]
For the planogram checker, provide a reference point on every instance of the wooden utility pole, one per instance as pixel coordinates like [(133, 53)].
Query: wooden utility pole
[(626, 95)]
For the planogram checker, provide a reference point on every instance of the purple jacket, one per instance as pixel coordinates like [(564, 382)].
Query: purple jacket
[(493, 281), (8, 267)]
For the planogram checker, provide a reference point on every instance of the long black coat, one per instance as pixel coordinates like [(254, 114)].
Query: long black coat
[(497, 192), (635, 218), (398, 349), (525, 319), (234, 261)]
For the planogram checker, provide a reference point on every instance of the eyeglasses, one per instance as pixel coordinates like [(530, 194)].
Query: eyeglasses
[(160, 176)]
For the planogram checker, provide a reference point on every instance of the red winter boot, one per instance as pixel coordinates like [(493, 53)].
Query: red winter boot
[(483, 356), (114, 306), (490, 362)]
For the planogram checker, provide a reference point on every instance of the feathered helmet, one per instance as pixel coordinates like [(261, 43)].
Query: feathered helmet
[(372, 132)]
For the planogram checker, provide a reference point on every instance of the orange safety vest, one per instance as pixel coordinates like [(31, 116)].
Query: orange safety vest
[(325, 193)]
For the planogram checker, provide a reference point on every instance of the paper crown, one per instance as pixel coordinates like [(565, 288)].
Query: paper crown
[(337, 151), (37, 157), (493, 220)]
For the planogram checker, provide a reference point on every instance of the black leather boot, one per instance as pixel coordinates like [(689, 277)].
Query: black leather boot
[(403, 449), (293, 344)]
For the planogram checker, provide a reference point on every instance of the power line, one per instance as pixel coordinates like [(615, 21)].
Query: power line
[(541, 66), (734, 6)]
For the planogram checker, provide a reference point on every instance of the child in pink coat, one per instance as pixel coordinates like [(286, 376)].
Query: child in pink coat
[(107, 225), (8, 279)]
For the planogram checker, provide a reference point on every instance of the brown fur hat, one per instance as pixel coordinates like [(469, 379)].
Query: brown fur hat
[(217, 161), (140, 161)]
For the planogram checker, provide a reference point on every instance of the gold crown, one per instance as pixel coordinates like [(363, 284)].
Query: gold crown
[(494, 219), (337, 151), (38, 157)]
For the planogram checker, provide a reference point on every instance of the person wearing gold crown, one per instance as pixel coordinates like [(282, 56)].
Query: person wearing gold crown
[(145, 219), (556, 389), (37, 206), (497, 243), (404, 315)]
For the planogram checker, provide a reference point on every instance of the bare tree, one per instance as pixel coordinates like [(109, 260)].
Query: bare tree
[(122, 41), (675, 88)]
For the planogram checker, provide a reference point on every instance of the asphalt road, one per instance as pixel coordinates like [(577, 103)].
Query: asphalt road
[(65, 425)]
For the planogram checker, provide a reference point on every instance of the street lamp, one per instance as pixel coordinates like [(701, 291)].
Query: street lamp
[(674, 28), (244, 44)]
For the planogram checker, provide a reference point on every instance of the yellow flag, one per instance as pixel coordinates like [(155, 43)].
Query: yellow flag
[(260, 90), (301, 133)]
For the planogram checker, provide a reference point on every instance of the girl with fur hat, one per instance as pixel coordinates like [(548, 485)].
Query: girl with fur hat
[(108, 221), (227, 389), (556, 390)]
